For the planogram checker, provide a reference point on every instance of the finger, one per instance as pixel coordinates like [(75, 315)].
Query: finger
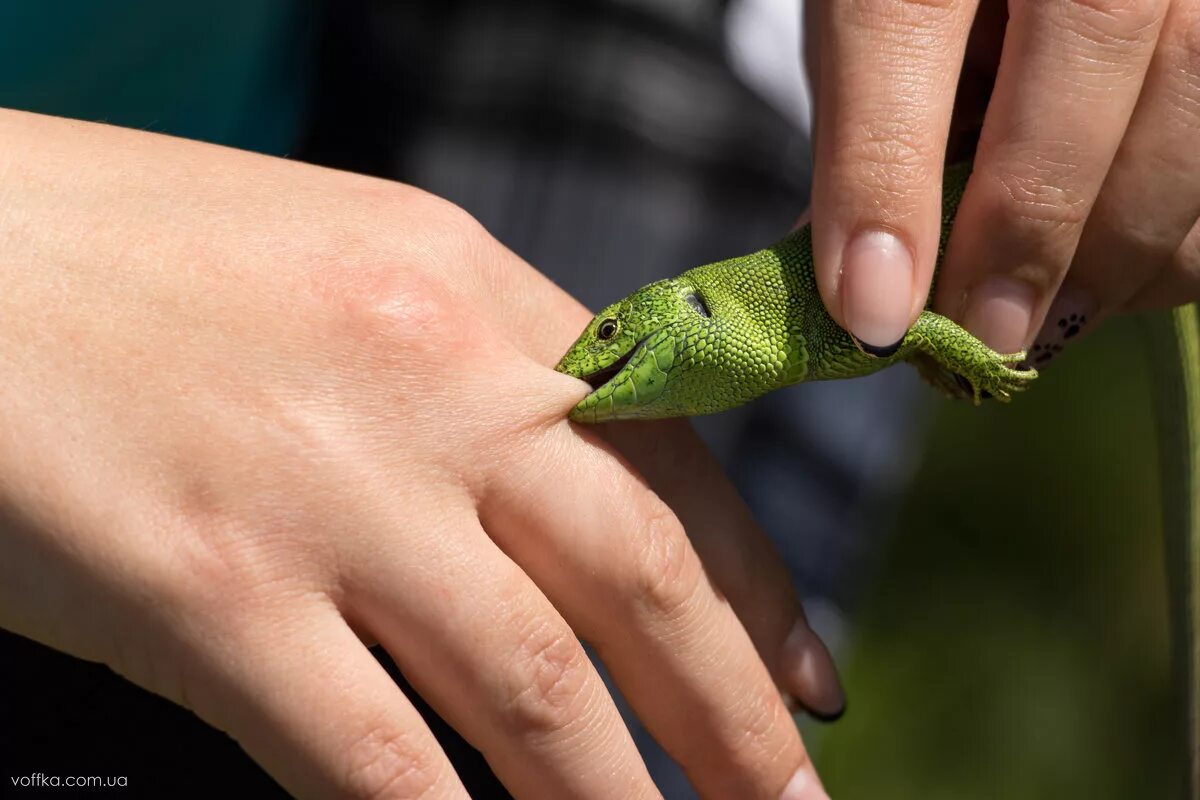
[(611, 555), (1069, 77), (980, 63), (738, 556), (477, 639), (887, 72), (310, 703), (1177, 285), (810, 43), (1150, 199)]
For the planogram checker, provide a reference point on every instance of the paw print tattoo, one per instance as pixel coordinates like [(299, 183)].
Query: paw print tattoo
[(1067, 318)]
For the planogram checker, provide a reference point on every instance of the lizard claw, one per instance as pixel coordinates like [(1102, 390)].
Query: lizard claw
[(993, 376), (961, 366)]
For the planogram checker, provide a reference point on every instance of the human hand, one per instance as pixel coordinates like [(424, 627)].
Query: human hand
[(1086, 187), (256, 412)]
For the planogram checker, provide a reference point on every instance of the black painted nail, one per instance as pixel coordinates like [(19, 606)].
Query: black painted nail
[(828, 718), (880, 352)]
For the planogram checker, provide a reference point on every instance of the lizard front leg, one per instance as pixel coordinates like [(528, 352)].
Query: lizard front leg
[(960, 365)]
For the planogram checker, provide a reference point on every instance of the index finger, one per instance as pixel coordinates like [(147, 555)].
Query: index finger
[(887, 75)]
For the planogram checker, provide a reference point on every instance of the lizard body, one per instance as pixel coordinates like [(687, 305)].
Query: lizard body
[(722, 334)]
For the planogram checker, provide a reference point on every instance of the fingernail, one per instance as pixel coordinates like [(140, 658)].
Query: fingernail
[(1068, 316), (809, 674), (877, 288), (999, 312), (804, 786)]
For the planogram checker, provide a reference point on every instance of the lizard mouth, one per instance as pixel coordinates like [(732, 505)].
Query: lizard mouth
[(600, 377)]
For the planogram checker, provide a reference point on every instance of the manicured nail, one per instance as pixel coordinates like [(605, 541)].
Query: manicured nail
[(999, 312), (809, 674), (877, 288), (1068, 316), (804, 786)]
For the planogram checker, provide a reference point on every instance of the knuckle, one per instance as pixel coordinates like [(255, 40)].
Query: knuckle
[(891, 165), (1035, 196), (410, 310), (899, 150), (759, 738), (400, 296), (1181, 57), (213, 569), (229, 566), (385, 763), (1115, 23), (666, 576), (895, 159), (759, 719), (548, 678), (900, 15), (1036, 212)]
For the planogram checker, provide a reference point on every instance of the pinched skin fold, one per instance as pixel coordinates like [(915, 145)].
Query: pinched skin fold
[(723, 334)]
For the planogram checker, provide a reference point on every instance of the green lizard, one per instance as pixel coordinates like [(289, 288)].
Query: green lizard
[(720, 335)]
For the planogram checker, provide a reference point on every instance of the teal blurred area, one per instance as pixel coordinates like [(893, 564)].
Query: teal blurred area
[(227, 71), (1014, 643)]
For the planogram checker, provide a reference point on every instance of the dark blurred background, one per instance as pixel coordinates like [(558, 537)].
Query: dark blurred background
[(991, 579)]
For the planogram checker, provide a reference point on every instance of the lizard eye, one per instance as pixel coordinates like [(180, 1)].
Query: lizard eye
[(607, 329)]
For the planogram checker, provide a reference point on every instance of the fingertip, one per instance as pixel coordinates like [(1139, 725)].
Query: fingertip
[(1000, 311), (795, 707), (809, 674), (876, 288), (1070, 314), (804, 785)]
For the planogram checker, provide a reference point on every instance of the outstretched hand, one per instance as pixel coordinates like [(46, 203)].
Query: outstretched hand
[(256, 413)]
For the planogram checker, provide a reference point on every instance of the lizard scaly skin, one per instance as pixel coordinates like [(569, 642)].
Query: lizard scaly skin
[(723, 334)]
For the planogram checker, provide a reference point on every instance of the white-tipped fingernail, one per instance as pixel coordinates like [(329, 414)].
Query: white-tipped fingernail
[(804, 786), (809, 674), (877, 288), (1069, 314)]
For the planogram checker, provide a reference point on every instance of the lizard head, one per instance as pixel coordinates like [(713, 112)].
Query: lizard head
[(647, 356)]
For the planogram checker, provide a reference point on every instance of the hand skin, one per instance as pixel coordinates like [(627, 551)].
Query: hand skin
[(256, 413), (1085, 195)]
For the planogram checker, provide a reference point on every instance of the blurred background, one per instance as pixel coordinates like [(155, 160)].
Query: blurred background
[(991, 579)]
